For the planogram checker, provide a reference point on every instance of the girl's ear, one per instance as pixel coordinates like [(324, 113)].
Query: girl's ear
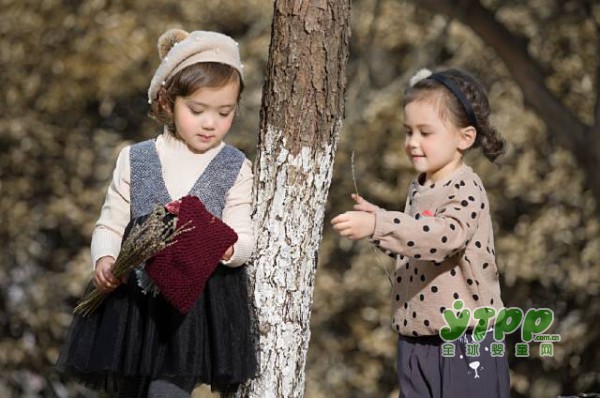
[(163, 102), (166, 108), (467, 138)]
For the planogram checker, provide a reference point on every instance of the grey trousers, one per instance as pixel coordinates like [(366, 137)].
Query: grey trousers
[(423, 372)]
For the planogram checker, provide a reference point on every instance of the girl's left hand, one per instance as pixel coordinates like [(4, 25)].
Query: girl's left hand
[(228, 254), (354, 225)]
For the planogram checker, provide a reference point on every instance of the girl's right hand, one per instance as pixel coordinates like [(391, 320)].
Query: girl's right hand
[(363, 205), (104, 280)]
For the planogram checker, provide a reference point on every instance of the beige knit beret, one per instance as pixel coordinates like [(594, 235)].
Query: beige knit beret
[(179, 49)]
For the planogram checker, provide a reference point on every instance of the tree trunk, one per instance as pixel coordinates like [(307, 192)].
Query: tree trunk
[(301, 118)]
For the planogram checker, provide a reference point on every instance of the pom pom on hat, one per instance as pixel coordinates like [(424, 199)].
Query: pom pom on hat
[(420, 75), (168, 39)]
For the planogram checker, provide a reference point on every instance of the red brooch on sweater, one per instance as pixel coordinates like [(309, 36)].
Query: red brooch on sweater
[(427, 213), (182, 269), (173, 207)]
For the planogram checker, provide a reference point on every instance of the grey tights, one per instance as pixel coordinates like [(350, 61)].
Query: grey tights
[(158, 388)]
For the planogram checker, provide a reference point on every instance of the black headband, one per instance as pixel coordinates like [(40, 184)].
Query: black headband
[(458, 94)]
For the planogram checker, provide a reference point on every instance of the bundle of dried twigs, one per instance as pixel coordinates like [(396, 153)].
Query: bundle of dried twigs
[(145, 240)]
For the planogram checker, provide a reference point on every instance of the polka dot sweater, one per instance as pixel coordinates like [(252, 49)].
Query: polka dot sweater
[(444, 248)]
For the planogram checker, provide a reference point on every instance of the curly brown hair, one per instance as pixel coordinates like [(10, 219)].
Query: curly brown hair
[(186, 82), (488, 138)]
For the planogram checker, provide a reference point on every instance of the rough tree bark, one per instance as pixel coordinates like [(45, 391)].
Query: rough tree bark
[(301, 118), (581, 139)]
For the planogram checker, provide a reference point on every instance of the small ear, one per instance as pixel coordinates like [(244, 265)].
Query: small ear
[(164, 103), (467, 138)]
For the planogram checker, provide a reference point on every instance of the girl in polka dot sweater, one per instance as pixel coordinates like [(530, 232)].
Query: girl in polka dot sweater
[(443, 241)]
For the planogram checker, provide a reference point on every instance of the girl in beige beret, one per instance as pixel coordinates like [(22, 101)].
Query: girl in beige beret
[(137, 344)]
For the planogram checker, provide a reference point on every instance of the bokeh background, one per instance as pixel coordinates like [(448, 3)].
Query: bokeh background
[(73, 81)]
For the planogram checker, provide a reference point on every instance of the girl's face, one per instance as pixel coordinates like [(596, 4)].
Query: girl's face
[(433, 144), (203, 118)]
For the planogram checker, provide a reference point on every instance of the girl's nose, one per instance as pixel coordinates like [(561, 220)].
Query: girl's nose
[(208, 122), (412, 141)]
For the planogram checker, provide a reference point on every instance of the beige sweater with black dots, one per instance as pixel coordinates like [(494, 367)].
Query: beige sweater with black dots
[(444, 245)]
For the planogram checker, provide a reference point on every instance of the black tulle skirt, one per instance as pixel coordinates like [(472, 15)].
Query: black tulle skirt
[(133, 335)]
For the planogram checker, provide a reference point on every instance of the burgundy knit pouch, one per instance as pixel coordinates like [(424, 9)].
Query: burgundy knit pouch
[(181, 270)]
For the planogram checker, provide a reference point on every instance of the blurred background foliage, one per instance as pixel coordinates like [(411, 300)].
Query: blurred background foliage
[(74, 76)]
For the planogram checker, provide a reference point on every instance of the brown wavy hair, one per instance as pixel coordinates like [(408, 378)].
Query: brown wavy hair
[(186, 82), (488, 138)]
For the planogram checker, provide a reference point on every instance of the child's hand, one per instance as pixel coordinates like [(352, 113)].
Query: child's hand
[(355, 225), (363, 205), (228, 254), (104, 280)]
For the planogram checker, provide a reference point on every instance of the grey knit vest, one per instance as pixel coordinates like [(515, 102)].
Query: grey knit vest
[(148, 188)]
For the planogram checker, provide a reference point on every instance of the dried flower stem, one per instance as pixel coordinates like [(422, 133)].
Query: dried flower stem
[(144, 241), (353, 173), (385, 269)]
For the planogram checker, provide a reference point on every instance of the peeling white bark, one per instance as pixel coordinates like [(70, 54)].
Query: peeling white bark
[(291, 191)]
